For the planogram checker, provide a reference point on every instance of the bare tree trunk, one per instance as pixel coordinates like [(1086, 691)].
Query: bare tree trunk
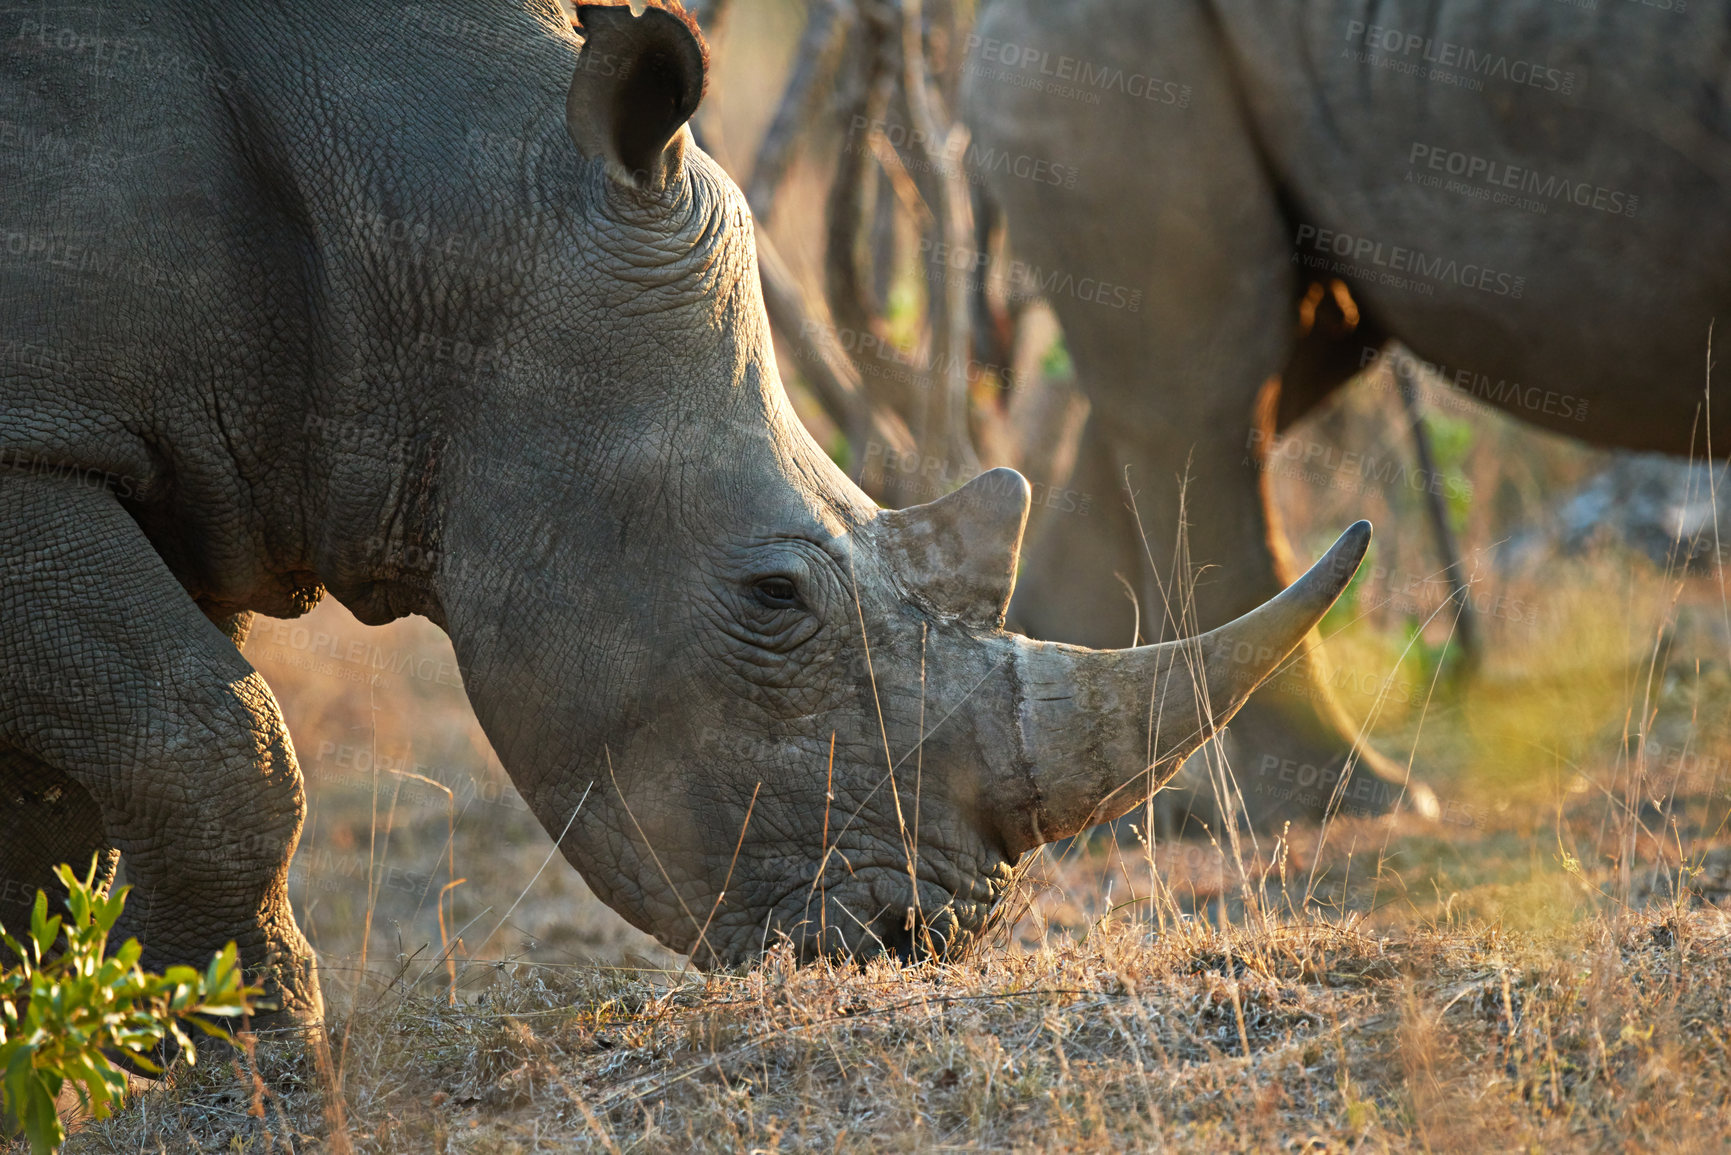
[(869, 87), (1448, 550), (878, 55), (946, 424), (830, 372), (815, 64)]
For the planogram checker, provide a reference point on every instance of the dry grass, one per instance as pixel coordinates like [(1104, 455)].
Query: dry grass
[(1466, 985), (1594, 1030), (1545, 968), (1455, 988)]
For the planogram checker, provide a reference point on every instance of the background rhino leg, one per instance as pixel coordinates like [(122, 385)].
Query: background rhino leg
[(1288, 744), (116, 684), (1176, 203), (1069, 589)]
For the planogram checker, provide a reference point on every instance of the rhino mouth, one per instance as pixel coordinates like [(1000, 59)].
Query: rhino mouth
[(910, 939), (874, 912)]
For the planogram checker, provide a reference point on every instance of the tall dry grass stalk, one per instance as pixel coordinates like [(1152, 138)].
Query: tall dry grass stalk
[(1549, 973)]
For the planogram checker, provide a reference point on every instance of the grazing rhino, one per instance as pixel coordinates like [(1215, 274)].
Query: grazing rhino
[(1530, 195), (245, 249)]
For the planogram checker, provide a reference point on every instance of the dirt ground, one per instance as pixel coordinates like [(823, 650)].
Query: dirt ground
[(1541, 966)]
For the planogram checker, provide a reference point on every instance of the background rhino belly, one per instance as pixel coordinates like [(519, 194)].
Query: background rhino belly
[(1509, 186)]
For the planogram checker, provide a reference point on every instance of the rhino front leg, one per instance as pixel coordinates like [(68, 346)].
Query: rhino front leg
[(45, 818), (119, 694)]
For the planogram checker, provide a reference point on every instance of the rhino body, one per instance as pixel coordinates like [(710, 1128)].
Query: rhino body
[(439, 310), (1531, 196)]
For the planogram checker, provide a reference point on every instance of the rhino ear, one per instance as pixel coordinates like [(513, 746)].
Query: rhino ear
[(958, 554), (639, 79)]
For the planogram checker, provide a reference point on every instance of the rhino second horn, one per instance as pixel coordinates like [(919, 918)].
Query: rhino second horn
[(1100, 730), (958, 554), (639, 79)]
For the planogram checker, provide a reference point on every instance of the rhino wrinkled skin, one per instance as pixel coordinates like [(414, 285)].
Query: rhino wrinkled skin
[(242, 245), (1530, 195)]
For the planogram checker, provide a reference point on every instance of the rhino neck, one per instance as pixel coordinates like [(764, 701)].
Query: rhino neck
[(419, 164)]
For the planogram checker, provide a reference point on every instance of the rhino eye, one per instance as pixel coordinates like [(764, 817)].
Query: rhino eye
[(776, 593)]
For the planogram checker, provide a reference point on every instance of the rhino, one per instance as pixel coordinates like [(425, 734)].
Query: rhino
[(440, 310), (1261, 195)]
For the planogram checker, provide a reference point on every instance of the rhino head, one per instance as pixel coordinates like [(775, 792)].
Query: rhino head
[(748, 702)]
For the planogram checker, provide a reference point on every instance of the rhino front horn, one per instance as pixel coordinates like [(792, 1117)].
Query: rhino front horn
[(1102, 729), (639, 79), (957, 555)]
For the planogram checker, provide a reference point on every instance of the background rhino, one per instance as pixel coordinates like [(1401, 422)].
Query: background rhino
[(747, 702), (1532, 194)]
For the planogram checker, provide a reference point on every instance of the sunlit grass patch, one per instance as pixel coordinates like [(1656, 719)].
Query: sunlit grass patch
[(1309, 1032), (1544, 966)]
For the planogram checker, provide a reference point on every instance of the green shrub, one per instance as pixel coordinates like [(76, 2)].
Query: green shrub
[(66, 1017)]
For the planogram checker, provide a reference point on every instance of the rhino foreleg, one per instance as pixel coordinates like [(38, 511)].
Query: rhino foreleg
[(121, 699), (45, 818)]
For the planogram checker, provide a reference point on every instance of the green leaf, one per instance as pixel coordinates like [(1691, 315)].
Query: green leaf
[(214, 1030), (108, 912), (61, 1017), (43, 930), (41, 1120)]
